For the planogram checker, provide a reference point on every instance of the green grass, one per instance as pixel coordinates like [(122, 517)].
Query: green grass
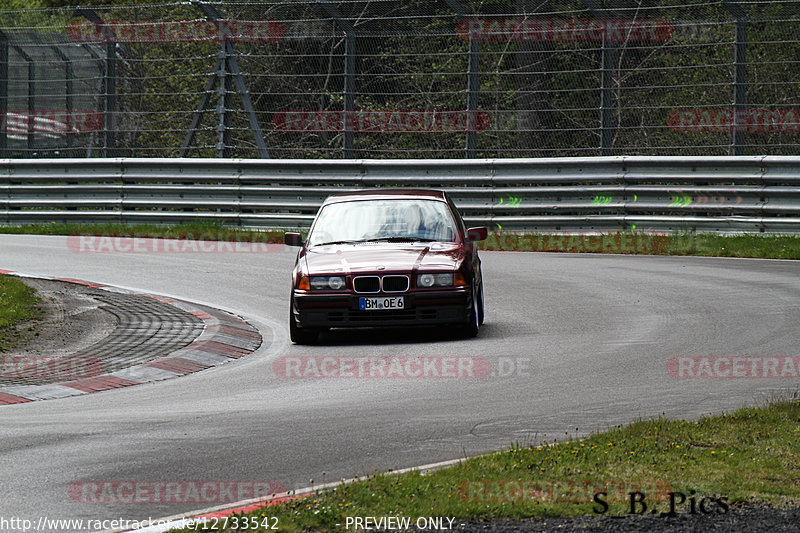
[(763, 246), (753, 453), (18, 302), (191, 230)]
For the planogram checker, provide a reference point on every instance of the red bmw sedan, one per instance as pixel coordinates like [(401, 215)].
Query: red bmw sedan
[(384, 258)]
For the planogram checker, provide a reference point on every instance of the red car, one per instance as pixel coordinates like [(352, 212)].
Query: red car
[(386, 257)]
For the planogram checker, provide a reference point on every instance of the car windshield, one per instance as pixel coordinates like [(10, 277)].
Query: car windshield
[(376, 220)]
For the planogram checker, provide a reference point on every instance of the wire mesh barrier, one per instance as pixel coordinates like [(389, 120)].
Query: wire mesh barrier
[(410, 79)]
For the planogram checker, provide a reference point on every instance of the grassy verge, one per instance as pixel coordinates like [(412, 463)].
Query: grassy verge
[(192, 230), (18, 302), (753, 453), (763, 246)]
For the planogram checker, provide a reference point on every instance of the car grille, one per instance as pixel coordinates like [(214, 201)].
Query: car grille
[(389, 283), (399, 315), (366, 284), (394, 283)]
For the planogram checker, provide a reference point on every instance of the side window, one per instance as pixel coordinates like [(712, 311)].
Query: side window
[(462, 229)]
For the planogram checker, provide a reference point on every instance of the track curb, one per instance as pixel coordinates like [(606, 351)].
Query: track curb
[(225, 337)]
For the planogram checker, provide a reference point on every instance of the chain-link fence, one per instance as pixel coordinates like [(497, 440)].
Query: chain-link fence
[(402, 79)]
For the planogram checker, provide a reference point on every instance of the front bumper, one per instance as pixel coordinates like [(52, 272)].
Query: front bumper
[(421, 309)]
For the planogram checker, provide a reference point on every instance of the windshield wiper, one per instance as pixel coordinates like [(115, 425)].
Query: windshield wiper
[(378, 239), (399, 239), (337, 242)]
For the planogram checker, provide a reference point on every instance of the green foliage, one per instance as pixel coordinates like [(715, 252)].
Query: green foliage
[(197, 229), (543, 97), (18, 302)]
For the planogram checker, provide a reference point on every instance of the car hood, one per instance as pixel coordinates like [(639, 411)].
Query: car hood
[(368, 257)]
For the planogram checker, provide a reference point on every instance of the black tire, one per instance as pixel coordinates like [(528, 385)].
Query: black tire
[(480, 306), (297, 334), (473, 319)]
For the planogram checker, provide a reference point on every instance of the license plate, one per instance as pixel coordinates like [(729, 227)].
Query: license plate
[(381, 303)]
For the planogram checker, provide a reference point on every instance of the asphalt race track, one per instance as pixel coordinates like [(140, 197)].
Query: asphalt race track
[(595, 333)]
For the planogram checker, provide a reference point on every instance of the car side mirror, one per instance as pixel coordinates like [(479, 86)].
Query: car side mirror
[(292, 239), (477, 234)]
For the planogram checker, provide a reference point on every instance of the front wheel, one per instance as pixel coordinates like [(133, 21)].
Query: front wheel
[(297, 334), (473, 319), (480, 306)]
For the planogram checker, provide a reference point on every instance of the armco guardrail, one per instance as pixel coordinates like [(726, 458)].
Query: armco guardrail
[(704, 194)]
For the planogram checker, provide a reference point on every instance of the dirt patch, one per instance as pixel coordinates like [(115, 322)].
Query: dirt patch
[(72, 320)]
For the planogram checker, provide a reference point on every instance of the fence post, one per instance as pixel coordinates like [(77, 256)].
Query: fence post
[(607, 95), (473, 83), (473, 88), (740, 77), (226, 72), (111, 98), (109, 79), (68, 90), (348, 91), (3, 94), (30, 121), (607, 59), (224, 109), (97, 58)]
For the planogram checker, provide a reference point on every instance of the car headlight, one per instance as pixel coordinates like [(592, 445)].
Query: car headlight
[(322, 283), (443, 279)]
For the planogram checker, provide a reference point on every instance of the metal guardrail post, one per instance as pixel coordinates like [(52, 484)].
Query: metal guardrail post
[(740, 77), (349, 86)]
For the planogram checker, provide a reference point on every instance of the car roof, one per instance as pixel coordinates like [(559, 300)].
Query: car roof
[(387, 194)]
